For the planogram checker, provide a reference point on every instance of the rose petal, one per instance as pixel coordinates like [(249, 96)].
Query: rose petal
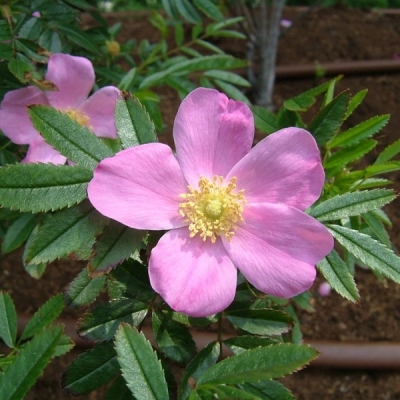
[(194, 277), (140, 187), (285, 167), (14, 117), (277, 247), (74, 78), (100, 109), (40, 151), (211, 133)]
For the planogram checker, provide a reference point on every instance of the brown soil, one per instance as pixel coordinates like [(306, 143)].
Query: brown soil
[(323, 35)]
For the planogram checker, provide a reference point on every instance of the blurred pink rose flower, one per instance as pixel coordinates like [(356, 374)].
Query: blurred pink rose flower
[(74, 78), (286, 23), (324, 289), (227, 206)]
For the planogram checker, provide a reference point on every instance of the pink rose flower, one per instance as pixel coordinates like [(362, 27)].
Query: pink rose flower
[(74, 79), (324, 289), (227, 206)]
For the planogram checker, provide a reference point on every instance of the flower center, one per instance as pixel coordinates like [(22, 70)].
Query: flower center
[(213, 209), (78, 116)]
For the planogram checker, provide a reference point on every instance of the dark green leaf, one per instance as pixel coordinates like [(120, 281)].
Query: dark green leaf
[(173, 338), (29, 364), (42, 187), (65, 344), (230, 392), (264, 119), (355, 101), (299, 103), (258, 365), (260, 321), (377, 227), (74, 141), (187, 11), (352, 204), (20, 69), (83, 290), (8, 318), (79, 37), (209, 9), (91, 370), (119, 391), (203, 360), (134, 125), (329, 119), (67, 233), (18, 232), (139, 364), (337, 273), (369, 251), (44, 316), (240, 344), (103, 320), (232, 91)]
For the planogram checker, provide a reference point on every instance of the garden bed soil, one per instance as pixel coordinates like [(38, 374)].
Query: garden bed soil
[(323, 35)]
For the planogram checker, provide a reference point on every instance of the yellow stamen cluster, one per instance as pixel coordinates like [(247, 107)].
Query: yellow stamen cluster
[(113, 47), (78, 116), (213, 209)]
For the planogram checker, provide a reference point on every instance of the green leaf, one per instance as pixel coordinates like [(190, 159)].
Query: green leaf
[(65, 344), (222, 24), (139, 364), (388, 153), (240, 344), (216, 61), (300, 103), (188, 11), (115, 245), (44, 316), (377, 227), (230, 392), (79, 37), (209, 9), (264, 119), (29, 364), (359, 132), (66, 135), (18, 232), (102, 321), (258, 365), (232, 91), (349, 154), (20, 69), (383, 168), (91, 370), (352, 204), (268, 390), (329, 119), (209, 46), (173, 338), (127, 80), (337, 273), (8, 318), (83, 290), (119, 391), (134, 125), (355, 101), (260, 321), (131, 279), (369, 251), (42, 187), (227, 76), (203, 360), (67, 233)]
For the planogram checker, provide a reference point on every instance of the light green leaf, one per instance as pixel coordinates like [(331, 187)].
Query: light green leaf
[(91, 370), (369, 251), (388, 153), (203, 360), (42, 187), (134, 125), (8, 318), (231, 392), (68, 233), (20, 69), (337, 273), (127, 79), (258, 364), (44, 316), (139, 364), (187, 11), (215, 26), (227, 76), (377, 227), (232, 91), (65, 344), (352, 204), (173, 338), (29, 364), (359, 132), (384, 168), (83, 290), (209, 46), (115, 245), (355, 101), (102, 321), (240, 344), (264, 119), (66, 135)]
